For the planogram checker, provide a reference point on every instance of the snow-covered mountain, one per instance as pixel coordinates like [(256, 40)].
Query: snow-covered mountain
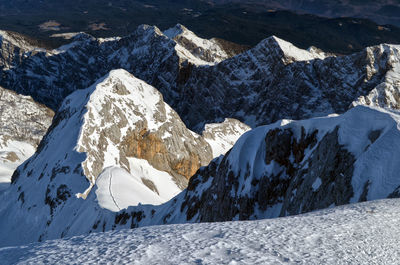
[(117, 156), (117, 135), (23, 123), (293, 167), (363, 233), (222, 136)]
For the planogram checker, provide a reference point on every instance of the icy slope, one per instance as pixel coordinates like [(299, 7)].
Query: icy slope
[(117, 189), (364, 233), (23, 123)]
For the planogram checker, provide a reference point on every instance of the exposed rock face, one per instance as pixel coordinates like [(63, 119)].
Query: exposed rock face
[(289, 184), (328, 177), (23, 123)]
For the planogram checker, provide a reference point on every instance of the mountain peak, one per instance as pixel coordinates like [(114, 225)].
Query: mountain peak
[(289, 52)]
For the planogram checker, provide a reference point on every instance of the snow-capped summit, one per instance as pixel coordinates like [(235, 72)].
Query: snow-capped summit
[(274, 79), (128, 118), (177, 30), (288, 51), (222, 136)]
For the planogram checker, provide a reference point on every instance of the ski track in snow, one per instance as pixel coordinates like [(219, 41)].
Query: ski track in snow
[(365, 233), (109, 189)]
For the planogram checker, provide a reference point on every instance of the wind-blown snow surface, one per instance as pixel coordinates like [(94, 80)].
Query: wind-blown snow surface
[(365, 233)]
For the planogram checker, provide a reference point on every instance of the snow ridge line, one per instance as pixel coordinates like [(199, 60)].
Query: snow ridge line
[(109, 189)]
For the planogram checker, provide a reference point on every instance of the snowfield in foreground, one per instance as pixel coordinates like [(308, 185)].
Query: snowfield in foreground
[(364, 233)]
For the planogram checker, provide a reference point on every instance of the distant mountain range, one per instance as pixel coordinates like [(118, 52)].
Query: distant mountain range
[(240, 22)]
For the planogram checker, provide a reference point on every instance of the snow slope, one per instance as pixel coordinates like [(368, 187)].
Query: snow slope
[(286, 168), (117, 189), (364, 233)]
